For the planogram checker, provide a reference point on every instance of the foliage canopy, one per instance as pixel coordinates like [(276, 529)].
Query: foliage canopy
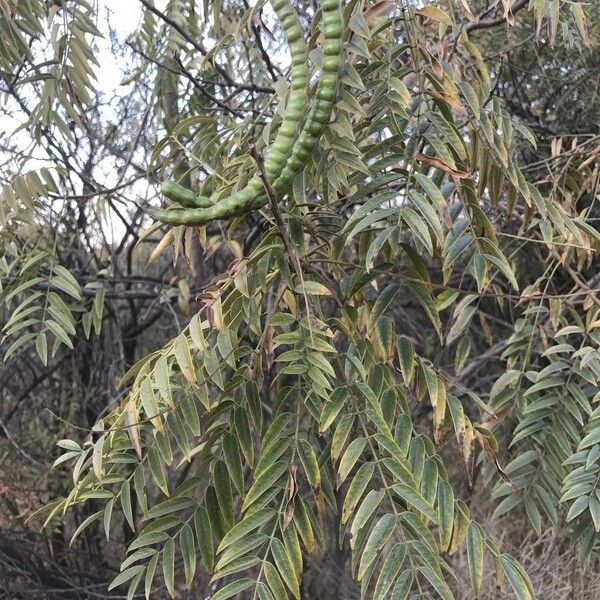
[(376, 271)]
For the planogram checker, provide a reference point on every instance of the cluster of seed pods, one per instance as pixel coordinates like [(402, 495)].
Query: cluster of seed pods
[(290, 149)]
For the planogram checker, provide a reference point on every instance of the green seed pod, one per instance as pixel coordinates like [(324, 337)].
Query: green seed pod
[(299, 81), (324, 95), (253, 195), (184, 196)]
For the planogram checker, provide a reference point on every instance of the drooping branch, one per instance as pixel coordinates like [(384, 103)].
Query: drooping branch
[(489, 23)]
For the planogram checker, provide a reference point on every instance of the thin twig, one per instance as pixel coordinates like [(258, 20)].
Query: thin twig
[(282, 229), (20, 450), (489, 23), (200, 47)]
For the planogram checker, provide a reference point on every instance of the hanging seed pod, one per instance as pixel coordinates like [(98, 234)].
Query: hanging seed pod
[(253, 195), (279, 150), (324, 95)]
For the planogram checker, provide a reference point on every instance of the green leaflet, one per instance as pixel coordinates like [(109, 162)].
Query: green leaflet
[(380, 533), (232, 589), (356, 489), (264, 481), (348, 460), (366, 509), (249, 523), (125, 576), (517, 578), (188, 552), (383, 302), (309, 463), (233, 462), (204, 538), (284, 565), (222, 485), (475, 556), (414, 499), (332, 407), (168, 566), (274, 580), (389, 570), (445, 514)]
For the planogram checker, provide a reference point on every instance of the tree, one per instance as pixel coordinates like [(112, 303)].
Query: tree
[(376, 271)]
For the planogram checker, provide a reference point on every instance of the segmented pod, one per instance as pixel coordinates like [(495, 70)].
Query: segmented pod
[(253, 195), (294, 109), (324, 95), (277, 153), (184, 196)]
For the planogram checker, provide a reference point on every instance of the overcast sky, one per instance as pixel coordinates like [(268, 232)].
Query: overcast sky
[(125, 18)]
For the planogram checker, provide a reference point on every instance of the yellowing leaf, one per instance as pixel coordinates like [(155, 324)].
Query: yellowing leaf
[(581, 22), (161, 246), (434, 13), (312, 288), (184, 359)]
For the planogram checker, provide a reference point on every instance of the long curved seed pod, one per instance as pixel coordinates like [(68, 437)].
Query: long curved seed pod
[(279, 150), (324, 96), (294, 109), (253, 196)]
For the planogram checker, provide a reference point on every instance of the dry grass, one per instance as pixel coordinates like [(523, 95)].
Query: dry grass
[(551, 561)]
